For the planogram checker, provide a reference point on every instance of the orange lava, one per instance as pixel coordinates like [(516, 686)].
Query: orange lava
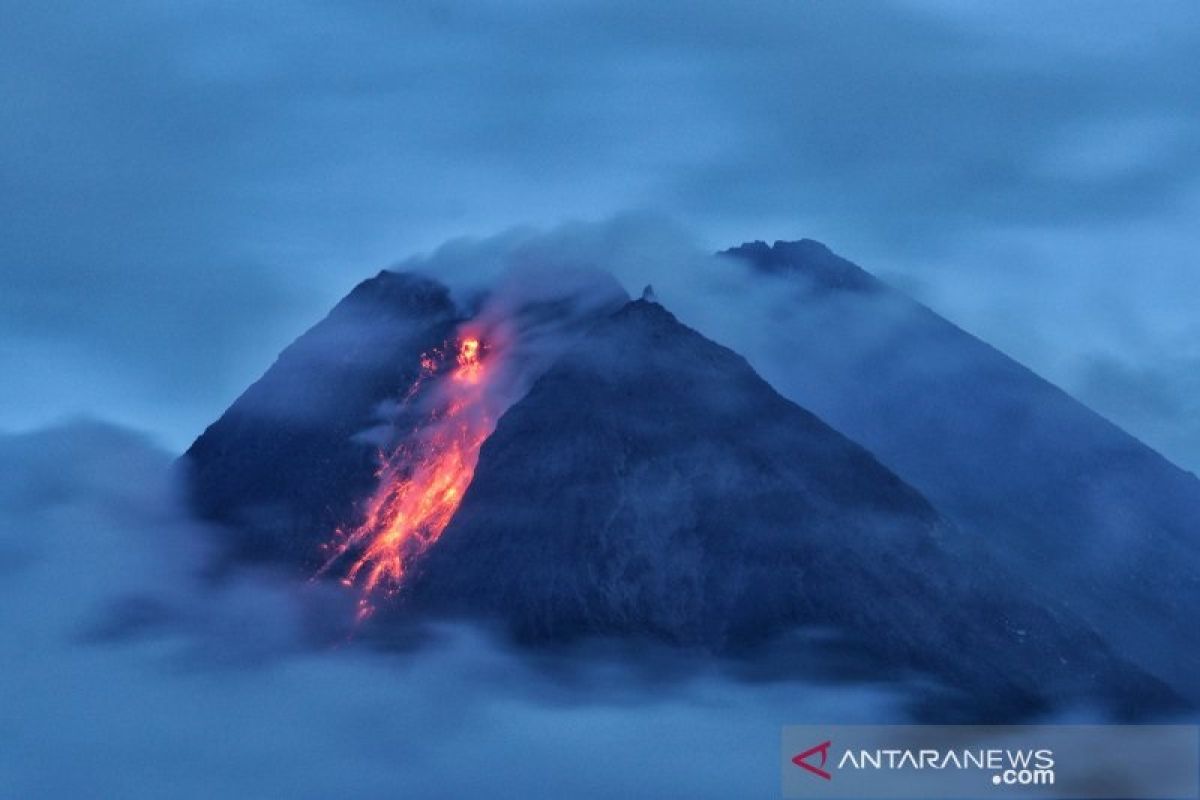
[(422, 481)]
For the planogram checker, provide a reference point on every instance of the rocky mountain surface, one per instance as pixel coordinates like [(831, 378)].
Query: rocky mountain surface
[(1088, 514), (286, 464), (934, 516), (652, 485)]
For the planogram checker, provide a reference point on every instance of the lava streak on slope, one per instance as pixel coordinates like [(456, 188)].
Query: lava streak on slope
[(528, 322), (422, 479)]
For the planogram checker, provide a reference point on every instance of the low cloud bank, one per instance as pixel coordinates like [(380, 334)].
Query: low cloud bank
[(128, 673)]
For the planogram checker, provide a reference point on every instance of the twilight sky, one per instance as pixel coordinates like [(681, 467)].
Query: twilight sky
[(184, 187)]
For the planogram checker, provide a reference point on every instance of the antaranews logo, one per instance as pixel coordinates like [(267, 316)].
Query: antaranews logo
[(801, 760), (1046, 761), (1020, 766)]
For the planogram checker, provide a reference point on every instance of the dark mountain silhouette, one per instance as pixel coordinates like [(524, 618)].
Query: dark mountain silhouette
[(647, 485), (1086, 513)]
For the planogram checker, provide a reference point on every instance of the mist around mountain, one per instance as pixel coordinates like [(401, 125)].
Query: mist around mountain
[(128, 671)]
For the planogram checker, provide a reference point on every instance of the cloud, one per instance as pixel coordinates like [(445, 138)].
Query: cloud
[(1160, 400), (129, 673), (182, 195), (1061, 323)]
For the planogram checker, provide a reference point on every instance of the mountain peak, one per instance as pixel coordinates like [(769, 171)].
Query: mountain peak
[(647, 308), (400, 291), (809, 258)]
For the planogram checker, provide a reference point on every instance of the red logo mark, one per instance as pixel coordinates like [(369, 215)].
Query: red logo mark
[(823, 749)]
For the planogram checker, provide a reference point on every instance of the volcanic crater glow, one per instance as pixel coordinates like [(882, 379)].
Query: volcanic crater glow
[(421, 481)]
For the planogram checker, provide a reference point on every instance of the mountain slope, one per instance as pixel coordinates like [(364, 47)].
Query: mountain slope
[(286, 463), (1085, 512), (652, 485)]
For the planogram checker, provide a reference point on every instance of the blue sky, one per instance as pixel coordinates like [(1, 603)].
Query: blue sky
[(186, 186)]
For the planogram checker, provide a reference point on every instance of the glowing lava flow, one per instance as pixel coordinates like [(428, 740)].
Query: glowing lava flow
[(421, 481)]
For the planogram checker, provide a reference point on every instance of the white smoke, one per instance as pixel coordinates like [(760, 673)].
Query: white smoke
[(757, 316)]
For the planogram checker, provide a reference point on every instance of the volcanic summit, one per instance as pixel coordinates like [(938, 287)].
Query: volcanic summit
[(581, 466)]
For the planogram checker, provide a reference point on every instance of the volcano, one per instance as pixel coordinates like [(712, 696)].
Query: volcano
[(642, 483)]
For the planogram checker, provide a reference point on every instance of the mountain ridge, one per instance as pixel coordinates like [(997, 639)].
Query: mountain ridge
[(1057, 490), (705, 529)]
